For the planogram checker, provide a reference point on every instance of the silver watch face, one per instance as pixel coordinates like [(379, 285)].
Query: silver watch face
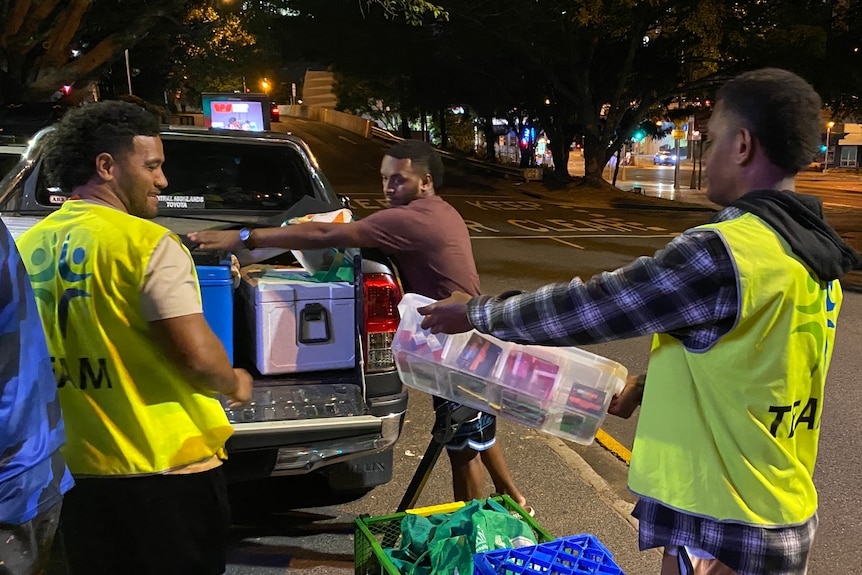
[(243, 234)]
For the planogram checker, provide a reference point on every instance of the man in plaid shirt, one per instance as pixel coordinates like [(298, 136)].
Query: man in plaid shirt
[(744, 311)]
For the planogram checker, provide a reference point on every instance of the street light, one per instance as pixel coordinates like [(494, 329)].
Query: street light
[(265, 85), (826, 156)]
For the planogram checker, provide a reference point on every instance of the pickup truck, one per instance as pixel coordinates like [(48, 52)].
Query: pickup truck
[(229, 179)]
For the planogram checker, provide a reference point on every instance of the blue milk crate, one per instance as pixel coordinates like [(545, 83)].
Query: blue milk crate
[(217, 299), (575, 555)]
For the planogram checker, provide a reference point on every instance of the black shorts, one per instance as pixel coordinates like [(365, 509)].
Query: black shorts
[(151, 525), (478, 434)]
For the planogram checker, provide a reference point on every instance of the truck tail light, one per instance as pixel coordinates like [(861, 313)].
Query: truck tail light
[(382, 295)]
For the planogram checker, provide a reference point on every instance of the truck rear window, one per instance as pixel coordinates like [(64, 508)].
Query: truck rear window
[(220, 175), (231, 176)]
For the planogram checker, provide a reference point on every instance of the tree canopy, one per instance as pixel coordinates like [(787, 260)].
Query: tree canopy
[(594, 68), (597, 69), (48, 44)]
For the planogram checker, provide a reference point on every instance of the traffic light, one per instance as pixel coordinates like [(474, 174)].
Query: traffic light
[(638, 136), (823, 149)]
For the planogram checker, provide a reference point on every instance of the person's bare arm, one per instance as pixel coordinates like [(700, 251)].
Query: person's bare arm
[(199, 355), (307, 235)]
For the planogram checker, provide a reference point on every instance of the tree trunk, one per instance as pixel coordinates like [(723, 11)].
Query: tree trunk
[(561, 143), (405, 126), (444, 133), (595, 159)]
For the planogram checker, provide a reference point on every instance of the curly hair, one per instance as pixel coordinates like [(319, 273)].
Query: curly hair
[(86, 132), (781, 110), (423, 158)]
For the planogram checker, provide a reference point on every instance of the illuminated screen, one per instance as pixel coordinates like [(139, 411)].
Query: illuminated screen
[(236, 113)]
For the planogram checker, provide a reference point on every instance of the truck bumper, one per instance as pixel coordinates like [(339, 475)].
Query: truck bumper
[(303, 446)]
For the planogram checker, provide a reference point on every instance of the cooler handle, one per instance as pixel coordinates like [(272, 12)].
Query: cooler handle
[(313, 312)]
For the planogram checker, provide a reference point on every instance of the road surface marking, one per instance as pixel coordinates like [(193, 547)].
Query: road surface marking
[(348, 140), (576, 236), (614, 446), (569, 243)]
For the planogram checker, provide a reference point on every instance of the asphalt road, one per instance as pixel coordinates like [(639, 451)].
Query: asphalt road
[(523, 240)]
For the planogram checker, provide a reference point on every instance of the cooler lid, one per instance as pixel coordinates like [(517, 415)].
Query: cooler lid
[(272, 284), (219, 272)]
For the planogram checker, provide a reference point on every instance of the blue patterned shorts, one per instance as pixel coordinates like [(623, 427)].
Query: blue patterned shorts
[(477, 434)]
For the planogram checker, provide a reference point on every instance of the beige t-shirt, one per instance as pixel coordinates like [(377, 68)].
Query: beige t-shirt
[(170, 288)]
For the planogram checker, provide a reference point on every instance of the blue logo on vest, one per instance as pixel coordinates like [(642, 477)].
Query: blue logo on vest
[(50, 266)]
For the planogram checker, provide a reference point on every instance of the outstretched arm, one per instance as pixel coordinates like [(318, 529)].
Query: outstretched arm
[(307, 235)]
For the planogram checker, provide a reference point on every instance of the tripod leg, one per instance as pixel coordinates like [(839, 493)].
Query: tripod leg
[(420, 478), (444, 430)]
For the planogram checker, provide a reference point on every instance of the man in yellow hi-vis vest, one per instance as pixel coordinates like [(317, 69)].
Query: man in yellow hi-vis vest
[(744, 310), (136, 364)]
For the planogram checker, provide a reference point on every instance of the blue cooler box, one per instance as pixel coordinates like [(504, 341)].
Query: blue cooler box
[(217, 298)]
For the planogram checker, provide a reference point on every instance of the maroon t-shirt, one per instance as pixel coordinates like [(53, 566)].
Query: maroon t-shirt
[(431, 246)]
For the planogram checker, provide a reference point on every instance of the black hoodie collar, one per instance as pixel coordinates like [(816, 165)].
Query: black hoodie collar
[(798, 218)]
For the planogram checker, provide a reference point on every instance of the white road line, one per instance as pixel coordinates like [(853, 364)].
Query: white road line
[(577, 236)]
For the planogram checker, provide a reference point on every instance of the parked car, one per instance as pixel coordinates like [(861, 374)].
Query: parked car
[(341, 423), (664, 158)]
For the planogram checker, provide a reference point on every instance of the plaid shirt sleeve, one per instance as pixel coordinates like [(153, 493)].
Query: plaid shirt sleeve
[(687, 289)]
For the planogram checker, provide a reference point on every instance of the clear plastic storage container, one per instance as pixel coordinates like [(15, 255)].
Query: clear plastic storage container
[(564, 391)]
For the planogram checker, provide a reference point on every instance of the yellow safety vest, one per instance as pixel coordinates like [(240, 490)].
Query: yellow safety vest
[(731, 433), (127, 408)]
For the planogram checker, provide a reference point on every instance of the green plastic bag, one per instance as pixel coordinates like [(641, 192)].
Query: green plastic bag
[(445, 543)]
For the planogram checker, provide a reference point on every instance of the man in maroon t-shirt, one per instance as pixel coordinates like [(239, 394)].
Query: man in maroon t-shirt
[(431, 245)]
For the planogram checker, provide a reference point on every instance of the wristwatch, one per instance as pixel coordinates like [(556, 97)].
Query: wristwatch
[(246, 236)]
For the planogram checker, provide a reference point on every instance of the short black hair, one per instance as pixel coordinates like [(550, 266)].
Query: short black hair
[(423, 158), (781, 110), (90, 130)]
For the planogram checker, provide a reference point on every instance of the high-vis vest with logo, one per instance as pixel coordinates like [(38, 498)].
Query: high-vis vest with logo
[(128, 410), (731, 433)]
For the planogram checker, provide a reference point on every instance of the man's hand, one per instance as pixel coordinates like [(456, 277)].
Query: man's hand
[(624, 404), (448, 315), (242, 394), (218, 240)]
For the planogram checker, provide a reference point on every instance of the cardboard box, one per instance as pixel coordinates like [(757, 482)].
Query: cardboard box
[(298, 325)]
